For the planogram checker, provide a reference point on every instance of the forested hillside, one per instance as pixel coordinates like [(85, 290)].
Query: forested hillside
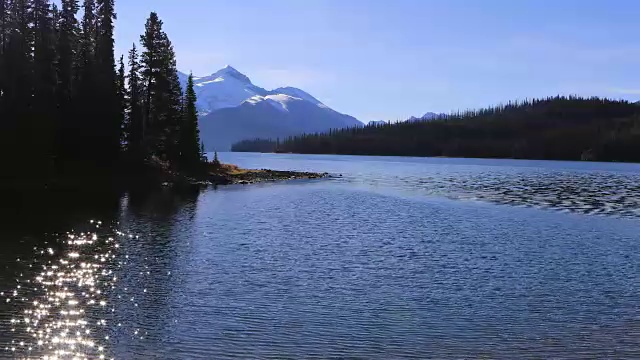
[(561, 128), (68, 107)]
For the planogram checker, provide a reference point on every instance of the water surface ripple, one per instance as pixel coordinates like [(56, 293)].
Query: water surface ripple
[(391, 260)]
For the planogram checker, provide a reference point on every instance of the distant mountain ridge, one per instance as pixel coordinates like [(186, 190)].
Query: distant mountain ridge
[(426, 117), (232, 108), (376, 122)]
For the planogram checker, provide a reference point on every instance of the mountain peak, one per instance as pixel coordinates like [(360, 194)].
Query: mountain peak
[(230, 71)]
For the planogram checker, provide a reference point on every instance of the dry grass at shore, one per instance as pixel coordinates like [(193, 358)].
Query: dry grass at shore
[(232, 174)]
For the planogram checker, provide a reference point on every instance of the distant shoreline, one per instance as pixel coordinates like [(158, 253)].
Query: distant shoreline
[(443, 157)]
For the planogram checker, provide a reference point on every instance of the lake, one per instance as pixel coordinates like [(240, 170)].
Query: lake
[(390, 258)]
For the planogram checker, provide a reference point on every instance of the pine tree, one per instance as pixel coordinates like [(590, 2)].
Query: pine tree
[(17, 75), (44, 106), (4, 18), (109, 115), (81, 138), (163, 95), (68, 38), (190, 155), (135, 123), (150, 71), (122, 102), (216, 161), (68, 53), (173, 105), (5, 131)]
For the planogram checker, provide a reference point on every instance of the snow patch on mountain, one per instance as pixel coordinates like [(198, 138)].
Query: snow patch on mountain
[(297, 93), (228, 88), (278, 101)]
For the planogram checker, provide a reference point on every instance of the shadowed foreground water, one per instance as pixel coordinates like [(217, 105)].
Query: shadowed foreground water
[(391, 260)]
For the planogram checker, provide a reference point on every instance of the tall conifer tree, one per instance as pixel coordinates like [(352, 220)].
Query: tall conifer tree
[(68, 71), (109, 117), (135, 121), (3, 36), (150, 71), (189, 134), (17, 76), (44, 106), (122, 101), (162, 104), (84, 130)]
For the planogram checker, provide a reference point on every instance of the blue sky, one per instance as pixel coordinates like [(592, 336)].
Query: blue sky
[(380, 59)]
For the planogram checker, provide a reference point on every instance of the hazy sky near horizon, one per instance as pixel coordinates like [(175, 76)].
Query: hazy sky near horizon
[(380, 59)]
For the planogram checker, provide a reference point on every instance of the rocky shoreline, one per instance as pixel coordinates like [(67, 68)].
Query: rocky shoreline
[(246, 177), (227, 174)]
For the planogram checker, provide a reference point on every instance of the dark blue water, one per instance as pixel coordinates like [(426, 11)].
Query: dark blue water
[(396, 258)]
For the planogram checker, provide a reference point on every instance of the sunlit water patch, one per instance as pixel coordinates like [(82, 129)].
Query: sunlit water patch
[(62, 301)]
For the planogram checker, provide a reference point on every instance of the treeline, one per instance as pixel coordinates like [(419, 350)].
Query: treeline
[(256, 145), (554, 128), (67, 105)]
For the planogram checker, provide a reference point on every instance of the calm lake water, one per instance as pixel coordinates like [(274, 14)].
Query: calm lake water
[(395, 258)]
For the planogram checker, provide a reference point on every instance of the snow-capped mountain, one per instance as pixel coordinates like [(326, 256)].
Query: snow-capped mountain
[(232, 108), (225, 88)]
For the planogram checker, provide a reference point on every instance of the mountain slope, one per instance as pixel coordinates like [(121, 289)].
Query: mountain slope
[(271, 116), (232, 108)]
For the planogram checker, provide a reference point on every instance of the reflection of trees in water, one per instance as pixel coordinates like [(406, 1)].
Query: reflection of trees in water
[(160, 203), (34, 234), (157, 221), (35, 219)]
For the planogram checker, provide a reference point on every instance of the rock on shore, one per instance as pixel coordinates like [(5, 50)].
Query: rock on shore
[(230, 174)]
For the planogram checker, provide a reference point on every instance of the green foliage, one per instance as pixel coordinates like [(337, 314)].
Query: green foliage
[(107, 121), (64, 106), (256, 145), (558, 128), (203, 155), (163, 102), (216, 162), (134, 117), (190, 149), (122, 103), (68, 70)]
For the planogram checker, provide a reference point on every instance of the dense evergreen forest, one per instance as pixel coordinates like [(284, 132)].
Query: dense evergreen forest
[(67, 107), (555, 128)]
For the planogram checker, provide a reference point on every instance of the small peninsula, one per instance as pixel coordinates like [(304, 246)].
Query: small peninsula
[(217, 174)]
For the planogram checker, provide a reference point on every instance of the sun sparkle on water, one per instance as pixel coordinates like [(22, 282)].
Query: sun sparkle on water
[(61, 299)]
